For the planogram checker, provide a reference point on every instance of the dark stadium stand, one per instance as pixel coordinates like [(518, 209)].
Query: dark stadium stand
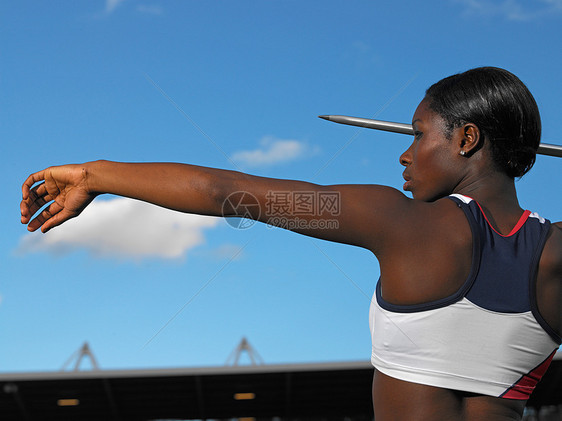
[(294, 391), (299, 391)]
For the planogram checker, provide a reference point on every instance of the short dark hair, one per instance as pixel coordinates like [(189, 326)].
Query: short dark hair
[(502, 108)]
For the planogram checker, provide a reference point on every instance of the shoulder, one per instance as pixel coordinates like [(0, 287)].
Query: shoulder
[(554, 240), (383, 199), (384, 216), (371, 201), (370, 192), (423, 224), (549, 278), (551, 259)]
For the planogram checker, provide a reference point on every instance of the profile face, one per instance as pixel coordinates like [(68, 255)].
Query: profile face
[(431, 161)]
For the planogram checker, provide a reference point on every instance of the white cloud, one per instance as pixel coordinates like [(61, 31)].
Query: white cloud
[(124, 228), (515, 10), (272, 151), (111, 5)]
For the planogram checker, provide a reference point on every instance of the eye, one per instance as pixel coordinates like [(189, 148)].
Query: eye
[(417, 134)]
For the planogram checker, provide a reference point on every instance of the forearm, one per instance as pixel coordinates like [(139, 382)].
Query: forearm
[(182, 187)]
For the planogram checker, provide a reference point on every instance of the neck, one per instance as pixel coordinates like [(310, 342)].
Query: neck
[(491, 189), (496, 194)]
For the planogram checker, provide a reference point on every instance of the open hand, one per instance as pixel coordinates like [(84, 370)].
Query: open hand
[(64, 187)]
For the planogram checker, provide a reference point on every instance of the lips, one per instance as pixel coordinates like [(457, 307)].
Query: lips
[(408, 184)]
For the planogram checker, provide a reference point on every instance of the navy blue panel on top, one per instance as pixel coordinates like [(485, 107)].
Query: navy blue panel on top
[(507, 267), (503, 268)]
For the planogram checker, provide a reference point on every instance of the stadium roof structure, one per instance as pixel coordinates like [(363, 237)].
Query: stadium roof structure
[(284, 391), (252, 391)]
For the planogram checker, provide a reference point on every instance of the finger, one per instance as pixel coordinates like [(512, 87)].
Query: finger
[(42, 220), (29, 208), (39, 196), (56, 220), (30, 181), (40, 190), (24, 211), (36, 199)]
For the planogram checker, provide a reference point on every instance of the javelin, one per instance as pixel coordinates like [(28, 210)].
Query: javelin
[(388, 126)]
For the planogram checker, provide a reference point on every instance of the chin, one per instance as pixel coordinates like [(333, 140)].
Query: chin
[(428, 197)]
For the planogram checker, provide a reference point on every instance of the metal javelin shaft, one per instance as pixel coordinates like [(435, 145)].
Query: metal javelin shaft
[(389, 126)]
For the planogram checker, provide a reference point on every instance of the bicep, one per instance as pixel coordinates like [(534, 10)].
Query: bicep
[(370, 215)]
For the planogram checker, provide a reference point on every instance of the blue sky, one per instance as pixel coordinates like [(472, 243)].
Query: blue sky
[(235, 85)]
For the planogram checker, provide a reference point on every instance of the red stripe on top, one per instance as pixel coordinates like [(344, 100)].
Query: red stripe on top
[(517, 226), (520, 223), (525, 386)]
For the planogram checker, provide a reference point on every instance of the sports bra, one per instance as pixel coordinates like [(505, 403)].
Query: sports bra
[(487, 338)]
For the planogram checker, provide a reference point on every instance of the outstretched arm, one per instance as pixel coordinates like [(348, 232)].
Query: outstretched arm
[(71, 188), (357, 215)]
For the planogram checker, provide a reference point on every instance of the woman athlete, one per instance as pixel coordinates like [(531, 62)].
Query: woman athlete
[(466, 315)]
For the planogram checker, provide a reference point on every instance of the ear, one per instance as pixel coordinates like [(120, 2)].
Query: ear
[(470, 139)]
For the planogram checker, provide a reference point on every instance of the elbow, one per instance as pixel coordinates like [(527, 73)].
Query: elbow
[(222, 191)]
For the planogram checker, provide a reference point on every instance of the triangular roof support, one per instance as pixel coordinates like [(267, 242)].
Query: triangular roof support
[(81, 353), (244, 345)]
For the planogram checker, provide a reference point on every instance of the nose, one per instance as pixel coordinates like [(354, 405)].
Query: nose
[(406, 157)]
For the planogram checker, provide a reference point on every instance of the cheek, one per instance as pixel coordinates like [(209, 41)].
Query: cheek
[(440, 161)]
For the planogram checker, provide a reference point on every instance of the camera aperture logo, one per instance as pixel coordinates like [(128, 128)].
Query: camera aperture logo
[(241, 210)]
